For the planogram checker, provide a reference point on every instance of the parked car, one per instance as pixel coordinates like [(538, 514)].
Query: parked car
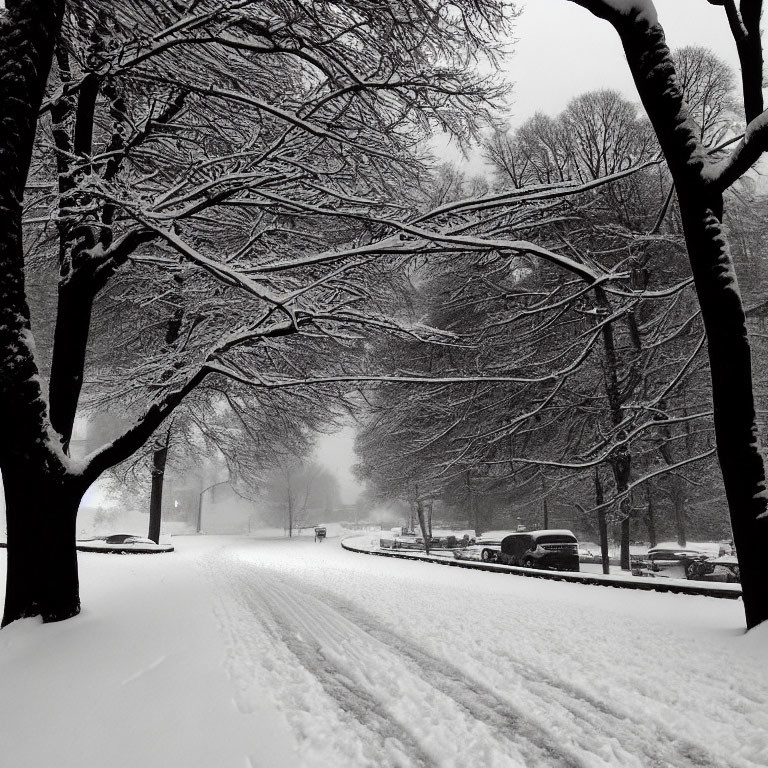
[(722, 568), (388, 539), (486, 548), (487, 552), (411, 541), (664, 557), (127, 538), (553, 549), (435, 542)]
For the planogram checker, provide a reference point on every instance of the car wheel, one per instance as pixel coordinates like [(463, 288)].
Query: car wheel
[(528, 563), (485, 555)]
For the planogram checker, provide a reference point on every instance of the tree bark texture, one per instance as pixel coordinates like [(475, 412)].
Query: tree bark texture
[(42, 495), (42, 576)]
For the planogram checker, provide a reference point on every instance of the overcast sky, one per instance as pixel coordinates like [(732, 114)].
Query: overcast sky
[(562, 51)]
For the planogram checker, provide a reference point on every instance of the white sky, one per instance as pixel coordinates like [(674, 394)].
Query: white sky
[(336, 453), (562, 51)]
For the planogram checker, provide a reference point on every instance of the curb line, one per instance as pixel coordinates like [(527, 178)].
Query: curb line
[(651, 585)]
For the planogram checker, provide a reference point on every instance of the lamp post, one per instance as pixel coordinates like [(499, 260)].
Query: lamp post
[(200, 502)]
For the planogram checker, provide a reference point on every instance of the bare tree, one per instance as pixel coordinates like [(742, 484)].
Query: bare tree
[(708, 84), (700, 181), (324, 105)]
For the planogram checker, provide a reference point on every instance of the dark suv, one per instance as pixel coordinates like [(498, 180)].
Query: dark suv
[(558, 550)]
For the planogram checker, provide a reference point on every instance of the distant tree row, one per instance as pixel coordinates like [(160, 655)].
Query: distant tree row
[(607, 417), (236, 201)]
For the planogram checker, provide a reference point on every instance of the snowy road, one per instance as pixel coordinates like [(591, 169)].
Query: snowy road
[(382, 663), (270, 653)]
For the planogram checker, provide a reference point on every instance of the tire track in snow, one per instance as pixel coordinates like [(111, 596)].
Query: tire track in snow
[(252, 617), (540, 721), (643, 744), (319, 636), (354, 702), (662, 745)]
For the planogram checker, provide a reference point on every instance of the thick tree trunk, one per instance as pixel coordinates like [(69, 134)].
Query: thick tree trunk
[(41, 500), (738, 448), (77, 287), (159, 457), (42, 577), (701, 208)]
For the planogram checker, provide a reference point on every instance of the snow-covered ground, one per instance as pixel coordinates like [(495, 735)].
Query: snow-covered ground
[(276, 653)]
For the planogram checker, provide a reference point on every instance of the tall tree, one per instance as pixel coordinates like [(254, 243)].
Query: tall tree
[(35, 469), (324, 105), (700, 182)]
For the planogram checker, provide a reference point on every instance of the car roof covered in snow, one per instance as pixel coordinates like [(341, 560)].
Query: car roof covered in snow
[(550, 532)]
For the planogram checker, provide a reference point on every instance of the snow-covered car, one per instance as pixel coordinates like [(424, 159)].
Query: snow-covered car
[(485, 548), (407, 541), (122, 544), (487, 553), (395, 541), (722, 568), (550, 549), (664, 557), (127, 538)]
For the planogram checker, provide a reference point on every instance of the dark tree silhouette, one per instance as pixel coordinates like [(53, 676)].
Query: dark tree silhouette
[(700, 181)]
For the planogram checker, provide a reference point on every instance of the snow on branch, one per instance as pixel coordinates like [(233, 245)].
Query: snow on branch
[(532, 194), (656, 473), (270, 382), (612, 10), (747, 152)]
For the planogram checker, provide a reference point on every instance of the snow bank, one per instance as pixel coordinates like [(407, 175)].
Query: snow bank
[(136, 680)]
